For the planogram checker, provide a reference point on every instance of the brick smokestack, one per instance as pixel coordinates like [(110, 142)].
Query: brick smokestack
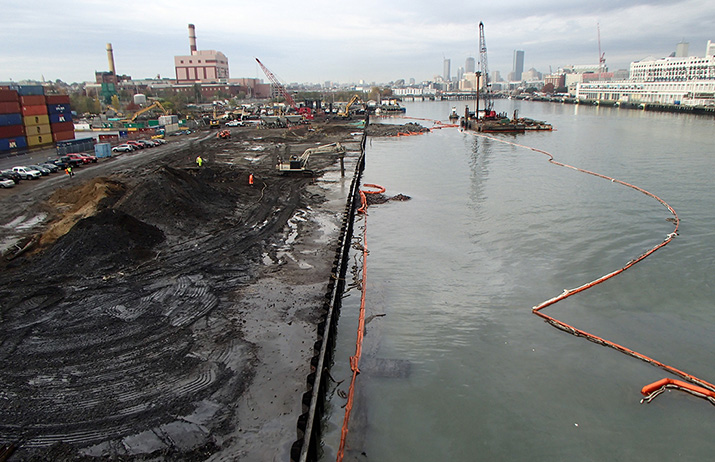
[(192, 39), (110, 58)]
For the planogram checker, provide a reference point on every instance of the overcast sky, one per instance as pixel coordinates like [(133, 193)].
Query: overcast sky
[(340, 41)]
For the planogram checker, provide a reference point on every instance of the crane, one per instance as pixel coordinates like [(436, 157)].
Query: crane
[(484, 69), (601, 56), (279, 86)]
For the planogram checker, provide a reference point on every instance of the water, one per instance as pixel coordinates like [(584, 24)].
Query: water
[(493, 230)]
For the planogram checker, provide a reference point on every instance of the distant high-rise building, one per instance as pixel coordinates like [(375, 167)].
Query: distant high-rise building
[(681, 50), (518, 65), (710, 50), (469, 65), (447, 76)]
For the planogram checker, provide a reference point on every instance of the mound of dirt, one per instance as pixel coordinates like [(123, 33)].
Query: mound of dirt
[(108, 240), (395, 130)]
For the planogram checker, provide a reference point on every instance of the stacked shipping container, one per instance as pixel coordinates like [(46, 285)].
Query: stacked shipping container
[(12, 130), (28, 118)]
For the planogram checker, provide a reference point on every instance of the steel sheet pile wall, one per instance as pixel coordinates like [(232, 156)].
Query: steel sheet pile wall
[(306, 448), (29, 118)]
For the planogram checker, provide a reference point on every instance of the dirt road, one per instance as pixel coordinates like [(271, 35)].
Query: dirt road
[(161, 311)]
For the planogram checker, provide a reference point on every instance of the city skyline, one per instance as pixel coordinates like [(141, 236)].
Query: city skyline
[(376, 43)]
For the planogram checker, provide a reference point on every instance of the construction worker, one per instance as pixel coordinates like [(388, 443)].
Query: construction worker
[(69, 172), (199, 161), (250, 179)]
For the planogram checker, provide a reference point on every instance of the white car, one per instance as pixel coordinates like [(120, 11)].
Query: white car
[(123, 148), (26, 173), (235, 123), (6, 183)]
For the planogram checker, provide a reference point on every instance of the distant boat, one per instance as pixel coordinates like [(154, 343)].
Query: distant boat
[(454, 115)]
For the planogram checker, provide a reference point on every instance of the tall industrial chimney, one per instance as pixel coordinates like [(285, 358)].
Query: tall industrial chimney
[(110, 58), (192, 39)]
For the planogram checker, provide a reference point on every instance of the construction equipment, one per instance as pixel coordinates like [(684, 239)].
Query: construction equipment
[(345, 113), (224, 135), (297, 164), (484, 69), (156, 104), (277, 85)]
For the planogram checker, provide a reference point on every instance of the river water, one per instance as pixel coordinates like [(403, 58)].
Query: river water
[(493, 230)]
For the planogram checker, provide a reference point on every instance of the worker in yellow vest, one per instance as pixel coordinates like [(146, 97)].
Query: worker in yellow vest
[(199, 161)]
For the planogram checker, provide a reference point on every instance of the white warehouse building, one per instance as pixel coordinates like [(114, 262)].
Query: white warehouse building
[(673, 80)]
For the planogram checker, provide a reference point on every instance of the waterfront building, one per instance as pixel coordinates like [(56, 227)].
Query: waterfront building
[(673, 80)]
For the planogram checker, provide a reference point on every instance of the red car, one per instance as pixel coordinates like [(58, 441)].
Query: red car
[(80, 157), (135, 144)]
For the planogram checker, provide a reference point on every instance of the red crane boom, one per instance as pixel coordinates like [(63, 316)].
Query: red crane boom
[(277, 84)]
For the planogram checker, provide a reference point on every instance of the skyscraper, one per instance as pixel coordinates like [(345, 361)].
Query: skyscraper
[(447, 75), (469, 65), (518, 65)]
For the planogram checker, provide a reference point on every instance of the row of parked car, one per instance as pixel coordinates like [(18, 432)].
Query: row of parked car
[(10, 177), (131, 146)]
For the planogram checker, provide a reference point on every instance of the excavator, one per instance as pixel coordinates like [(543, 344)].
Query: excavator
[(345, 113), (296, 164), (155, 104)]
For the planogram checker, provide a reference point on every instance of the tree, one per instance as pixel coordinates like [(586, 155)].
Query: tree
[(115, 103)]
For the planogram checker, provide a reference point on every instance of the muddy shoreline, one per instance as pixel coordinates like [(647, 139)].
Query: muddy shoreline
[(168, 312)]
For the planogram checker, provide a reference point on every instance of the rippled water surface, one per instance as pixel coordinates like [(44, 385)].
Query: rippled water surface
[(491, 231)]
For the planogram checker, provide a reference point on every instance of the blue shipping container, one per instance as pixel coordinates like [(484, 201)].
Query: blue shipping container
[(103, 150), (59, 108), (28, 90), (59, 118), (18, 142), (10, 119)]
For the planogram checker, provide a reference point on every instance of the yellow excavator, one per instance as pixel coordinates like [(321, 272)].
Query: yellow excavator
[(155, 104), (345, 113)]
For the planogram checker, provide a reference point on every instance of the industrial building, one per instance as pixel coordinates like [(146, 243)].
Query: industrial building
[(200, 65)]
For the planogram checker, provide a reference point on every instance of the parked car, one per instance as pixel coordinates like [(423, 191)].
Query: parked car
[(81, 157), (92, 158), (64, 161), (123, 148), (6, 183), (50, 166), (27, 173), (9, 174), (160, 140), (44, 171), (235, 123), (135, 144)]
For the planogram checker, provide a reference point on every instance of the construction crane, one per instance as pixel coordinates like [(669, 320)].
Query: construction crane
[(279, 86), (601, 56), (484, 69)]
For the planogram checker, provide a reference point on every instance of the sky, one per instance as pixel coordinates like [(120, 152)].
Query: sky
[(339, 41)]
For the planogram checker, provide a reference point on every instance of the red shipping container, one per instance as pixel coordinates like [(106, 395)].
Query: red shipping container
[(9, 108), (34, 110), (63, 127), (32, 100), (11, 131), (9, 95), (63, 136), (57, 99)]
